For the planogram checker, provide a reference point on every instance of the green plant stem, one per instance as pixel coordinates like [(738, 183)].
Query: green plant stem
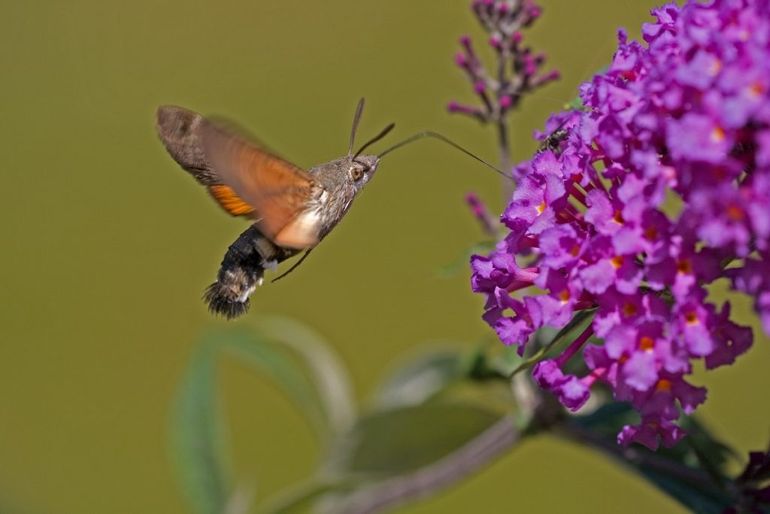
[(505, 157), (489, 445)]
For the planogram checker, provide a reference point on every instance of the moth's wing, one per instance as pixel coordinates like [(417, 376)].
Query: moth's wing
[(179, 129), (257, 183), (243, 177)]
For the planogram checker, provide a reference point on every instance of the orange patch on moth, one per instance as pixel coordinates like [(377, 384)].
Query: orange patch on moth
[(230, 201)]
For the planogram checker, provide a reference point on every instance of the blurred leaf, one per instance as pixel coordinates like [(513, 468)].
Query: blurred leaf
[(699, 449), (711, 454), (576, 104), (696, 498), (197, 439), (298, 500), (421, 378), (400, 440), (265, 356), (692, 472), (317, 385), (330, 375)]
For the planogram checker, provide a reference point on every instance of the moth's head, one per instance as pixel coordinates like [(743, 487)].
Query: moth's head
[(359, 170)]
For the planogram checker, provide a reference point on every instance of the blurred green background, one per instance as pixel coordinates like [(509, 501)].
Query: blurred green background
[(108, 244)]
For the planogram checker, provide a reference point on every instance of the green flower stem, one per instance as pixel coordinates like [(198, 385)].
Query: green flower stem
[(488, 446)]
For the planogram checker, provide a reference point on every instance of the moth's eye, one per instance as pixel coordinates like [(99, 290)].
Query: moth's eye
[(356, 173)]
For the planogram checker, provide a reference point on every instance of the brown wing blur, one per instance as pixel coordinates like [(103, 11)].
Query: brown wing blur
[(275, 189), (243, 178)]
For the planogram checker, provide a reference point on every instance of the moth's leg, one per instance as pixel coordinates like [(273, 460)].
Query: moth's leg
[(293, 267)]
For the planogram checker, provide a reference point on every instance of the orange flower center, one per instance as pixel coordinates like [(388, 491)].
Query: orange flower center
[(651, 234), (629, 309), (684, 266), (716, 67), (734, 212), (646, 343), (756, 89), (663, 385), (718, 134)]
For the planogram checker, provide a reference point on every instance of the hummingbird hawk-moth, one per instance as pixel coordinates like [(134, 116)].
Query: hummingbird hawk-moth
[(291, 210)]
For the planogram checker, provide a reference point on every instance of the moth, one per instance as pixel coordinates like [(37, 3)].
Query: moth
[(290, 209)]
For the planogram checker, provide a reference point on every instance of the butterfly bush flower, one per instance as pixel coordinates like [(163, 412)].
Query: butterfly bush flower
[(518, 69), (659, 186)]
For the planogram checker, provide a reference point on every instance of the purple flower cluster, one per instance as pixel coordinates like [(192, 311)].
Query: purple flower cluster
[(518, 69), (659, 187)]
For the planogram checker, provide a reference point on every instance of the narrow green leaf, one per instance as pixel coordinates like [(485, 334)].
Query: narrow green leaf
[(301, 499), (284, 351), (273, 361), (197, 434), (567, 333), (421, 378), (332, 383)]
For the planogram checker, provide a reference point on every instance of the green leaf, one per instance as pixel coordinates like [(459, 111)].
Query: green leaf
[(697, 498), (400, 440), (692, 472), (262, 354), (331, 380), (578, 323), (421, 378), (711, 454), (298, 500), (293, 357), (197, 434), (576, 104)]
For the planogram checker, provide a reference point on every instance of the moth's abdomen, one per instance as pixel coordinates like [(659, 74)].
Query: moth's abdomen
[(242, 270)]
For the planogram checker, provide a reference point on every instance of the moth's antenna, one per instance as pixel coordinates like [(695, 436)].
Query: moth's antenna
[(383, 133), (356, 119), (436, 135)]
